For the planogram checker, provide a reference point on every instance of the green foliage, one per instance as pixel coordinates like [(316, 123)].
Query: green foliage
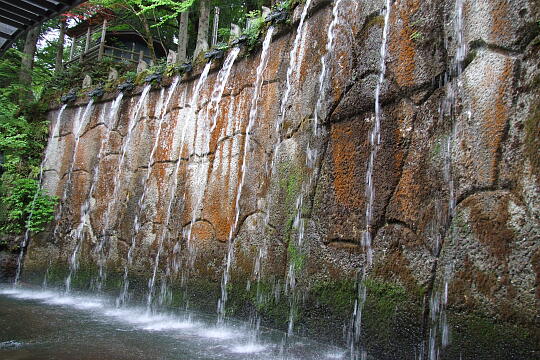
[(22, 136), (222, 46), (174, 8), (286, 5), (255, 28), (28, 207), (224, 33)]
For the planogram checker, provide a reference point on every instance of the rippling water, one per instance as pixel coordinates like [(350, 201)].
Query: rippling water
[(46, 324)]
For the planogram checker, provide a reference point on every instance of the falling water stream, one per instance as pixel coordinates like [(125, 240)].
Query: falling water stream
[(50, 145), (439, 330), (78, 127), (213, 110), (172, 189), (312, 159), (161, 111), (375, 143), (247, 143), (111, 119), (117, 176), (292, 67)]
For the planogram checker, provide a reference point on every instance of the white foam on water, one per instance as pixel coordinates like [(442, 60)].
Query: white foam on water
[(221, 333), (335, 355), (248, 348), (34, 295), (12, 344), (135, 316), (170, 325), (81, 303), (8, 291)]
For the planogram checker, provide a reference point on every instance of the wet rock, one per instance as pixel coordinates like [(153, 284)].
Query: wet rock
[(468, 137)]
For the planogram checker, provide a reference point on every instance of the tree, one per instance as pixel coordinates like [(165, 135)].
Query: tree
[(183, 24), (204, 24), (132, 9), (27, 62), (60, 49)]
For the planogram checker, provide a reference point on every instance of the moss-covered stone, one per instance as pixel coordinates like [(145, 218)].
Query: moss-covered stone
[(476, 337)]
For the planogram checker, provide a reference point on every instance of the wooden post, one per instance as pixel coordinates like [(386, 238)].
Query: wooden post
[(72, 51), (216, 26), (132, 55), (102, 40)]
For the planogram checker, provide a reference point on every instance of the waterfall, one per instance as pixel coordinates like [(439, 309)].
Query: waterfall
[(73, 259), (375, 143), (336, 19), (219, 87), (119, 169), (439, 330), (26, 238), (84, 221), (112, 118), (213, 107), (312, 158), (161, 109), (252, 117), (291, 69), (140, 203), (172, 190)]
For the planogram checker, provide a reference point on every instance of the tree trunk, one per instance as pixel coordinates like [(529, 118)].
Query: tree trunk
[(183, 21), (60, 50), (204, 25), (149, 38), (27, 63)]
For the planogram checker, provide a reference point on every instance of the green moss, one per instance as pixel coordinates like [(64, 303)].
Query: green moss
[(484, 338), (296, 257), (385, 297), (338, 296), (259, 297), (375, 21), (437, 149), (290, 182)]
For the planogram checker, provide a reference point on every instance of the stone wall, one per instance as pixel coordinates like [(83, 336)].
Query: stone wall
[(487, 252)]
